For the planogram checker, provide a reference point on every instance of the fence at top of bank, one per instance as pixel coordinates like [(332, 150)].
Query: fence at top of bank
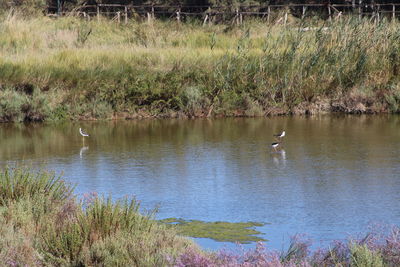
[(232, 14)]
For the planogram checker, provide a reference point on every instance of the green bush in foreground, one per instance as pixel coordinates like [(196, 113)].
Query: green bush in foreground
[(362, 256), (42, 224)]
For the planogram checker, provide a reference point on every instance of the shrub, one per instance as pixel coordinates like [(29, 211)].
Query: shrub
[(41, 223), (20, 183), (362, 256)]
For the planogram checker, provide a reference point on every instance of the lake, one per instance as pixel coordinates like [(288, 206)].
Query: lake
[(333, 177)]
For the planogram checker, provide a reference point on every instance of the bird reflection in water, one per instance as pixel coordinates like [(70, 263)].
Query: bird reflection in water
[(83, 149), (279, 158)]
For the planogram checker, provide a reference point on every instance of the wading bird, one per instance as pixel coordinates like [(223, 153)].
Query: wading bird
[(275, 145), (280, 135), (82, 132)]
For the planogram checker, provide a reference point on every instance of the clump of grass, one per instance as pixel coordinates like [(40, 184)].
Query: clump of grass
[(20, 183), (42, 223)]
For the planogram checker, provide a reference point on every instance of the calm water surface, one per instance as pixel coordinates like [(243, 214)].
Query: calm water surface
[(334, 177)]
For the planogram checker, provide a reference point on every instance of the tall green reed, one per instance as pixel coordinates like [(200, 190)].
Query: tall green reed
[(164, 68)]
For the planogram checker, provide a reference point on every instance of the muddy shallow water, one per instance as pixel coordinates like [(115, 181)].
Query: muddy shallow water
[(334, 176)]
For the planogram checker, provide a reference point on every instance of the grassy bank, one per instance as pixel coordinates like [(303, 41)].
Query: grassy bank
[(43, 224), (72, 69)]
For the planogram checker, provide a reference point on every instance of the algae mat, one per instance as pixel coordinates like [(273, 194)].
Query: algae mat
[(241, 232)]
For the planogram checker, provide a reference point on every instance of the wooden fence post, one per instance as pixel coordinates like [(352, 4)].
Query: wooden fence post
[(286, 16), (329, 12), (148, 17), (126, 15), (394, 12), (152, 11), (237, 16), (119, 17), (98, 13), (377, 11), (304, 12), (205, 20), (178, 15), (269, 14), (360, 9), (376, 14)]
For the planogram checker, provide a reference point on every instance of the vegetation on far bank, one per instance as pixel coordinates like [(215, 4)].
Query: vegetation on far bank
[(67, 69), (43, 224)]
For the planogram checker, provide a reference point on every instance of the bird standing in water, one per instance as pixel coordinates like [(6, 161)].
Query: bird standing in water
[(280, 135), (83, 135), (275, 145), (82, 132)]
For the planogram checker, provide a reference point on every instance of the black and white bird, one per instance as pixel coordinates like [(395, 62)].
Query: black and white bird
[(280, 135), (82, 132), (275, 145)]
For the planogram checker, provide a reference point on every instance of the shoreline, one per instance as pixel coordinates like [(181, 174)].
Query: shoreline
[(323, 107)]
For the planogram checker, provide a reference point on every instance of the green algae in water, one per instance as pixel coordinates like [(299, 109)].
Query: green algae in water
[(241, 232)]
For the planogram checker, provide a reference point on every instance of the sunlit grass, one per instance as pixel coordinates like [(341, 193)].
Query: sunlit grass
[(103, 69)]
